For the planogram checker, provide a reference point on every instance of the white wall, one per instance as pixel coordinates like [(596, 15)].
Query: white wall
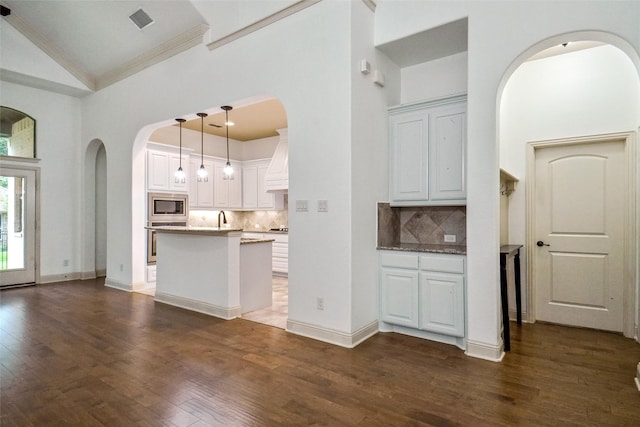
[(57, 135), (499, 33), (434, 79), (582, 93)]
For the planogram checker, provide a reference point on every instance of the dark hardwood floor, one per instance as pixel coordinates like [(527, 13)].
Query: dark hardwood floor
[(77, 353)]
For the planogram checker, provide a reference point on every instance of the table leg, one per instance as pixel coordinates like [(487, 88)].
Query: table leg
[(505, 303), (516, 261)]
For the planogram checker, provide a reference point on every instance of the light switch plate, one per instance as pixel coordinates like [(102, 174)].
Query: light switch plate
[(323, 206), (302, 206), (450, 238)]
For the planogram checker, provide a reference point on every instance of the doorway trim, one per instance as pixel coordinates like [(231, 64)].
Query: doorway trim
[(630, 301), (7, 163)]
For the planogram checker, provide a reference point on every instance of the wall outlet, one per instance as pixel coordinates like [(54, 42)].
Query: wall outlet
[(450, 238), (319, 303), (121, 267), (65, 263)]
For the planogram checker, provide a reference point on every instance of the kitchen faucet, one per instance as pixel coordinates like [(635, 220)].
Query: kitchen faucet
[(224, 218)]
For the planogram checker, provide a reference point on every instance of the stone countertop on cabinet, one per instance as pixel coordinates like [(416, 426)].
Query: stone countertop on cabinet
[(204, 231), (244, 240), (265, 231), (417, 247)]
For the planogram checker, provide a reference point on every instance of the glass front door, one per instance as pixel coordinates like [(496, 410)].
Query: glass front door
[(17, 227)]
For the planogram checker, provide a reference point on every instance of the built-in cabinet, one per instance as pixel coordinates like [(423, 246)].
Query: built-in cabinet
[(254, 194), (200, 192), (427, 149), (423, 291), (227, 191), (161, 168), (279, 250)]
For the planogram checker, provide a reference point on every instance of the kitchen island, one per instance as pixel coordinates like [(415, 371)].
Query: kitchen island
[(212, 270)]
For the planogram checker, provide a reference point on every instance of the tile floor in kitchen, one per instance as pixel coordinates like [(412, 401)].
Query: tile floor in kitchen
[(276, 315)]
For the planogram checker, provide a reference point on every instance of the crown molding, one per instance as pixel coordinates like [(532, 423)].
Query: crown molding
[(164, 51), (57, 55), (288, 11)]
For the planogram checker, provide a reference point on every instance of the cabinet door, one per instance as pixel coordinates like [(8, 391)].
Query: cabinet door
[(250, 187), (235, 187), (447, 147), (193, 183), (174, 164), (442, 303), (409, 138), (158, 170), (205, 188), (220, 187), (399, 296)]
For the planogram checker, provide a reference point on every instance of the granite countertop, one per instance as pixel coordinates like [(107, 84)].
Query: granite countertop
[(209, 231), (265, 231), (244, 241), (417, 247)]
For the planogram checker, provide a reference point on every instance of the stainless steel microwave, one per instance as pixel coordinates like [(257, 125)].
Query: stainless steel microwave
[(168, 207)]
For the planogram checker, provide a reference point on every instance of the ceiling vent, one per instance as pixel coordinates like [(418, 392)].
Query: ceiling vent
[(141, 19)]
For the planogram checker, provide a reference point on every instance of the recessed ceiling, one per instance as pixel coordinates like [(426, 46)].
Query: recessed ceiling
[(250, 122)]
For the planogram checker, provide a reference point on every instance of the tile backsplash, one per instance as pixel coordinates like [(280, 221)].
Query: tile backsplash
[(247, 220), (422, 225)]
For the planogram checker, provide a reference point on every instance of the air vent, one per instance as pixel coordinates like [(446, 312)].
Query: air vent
[(141, 19)]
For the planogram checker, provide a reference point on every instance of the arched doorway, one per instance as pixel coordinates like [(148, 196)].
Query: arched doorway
[(94, 254), (554, 92)]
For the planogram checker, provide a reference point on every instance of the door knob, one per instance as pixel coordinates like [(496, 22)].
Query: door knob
[(541, 243)]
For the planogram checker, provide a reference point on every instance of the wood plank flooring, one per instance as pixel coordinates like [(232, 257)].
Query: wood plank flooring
[(80, 354)]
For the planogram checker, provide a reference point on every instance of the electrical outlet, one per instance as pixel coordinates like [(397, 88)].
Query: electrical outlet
[(65, 263), (319, 303), (121, 267), (450, 238)]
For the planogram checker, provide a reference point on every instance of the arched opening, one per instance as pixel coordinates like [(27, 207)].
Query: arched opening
[(94, 254), (259, 130), (559, 93)]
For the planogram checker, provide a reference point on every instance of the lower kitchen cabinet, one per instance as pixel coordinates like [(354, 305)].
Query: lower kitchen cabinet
[(423, 291), (279, 251)]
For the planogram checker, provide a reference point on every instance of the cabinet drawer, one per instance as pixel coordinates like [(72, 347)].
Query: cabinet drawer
[(399, 260), (443, 263)]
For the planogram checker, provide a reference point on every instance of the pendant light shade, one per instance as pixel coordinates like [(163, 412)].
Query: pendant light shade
[(203, 176), (228, 170), (180, 175)]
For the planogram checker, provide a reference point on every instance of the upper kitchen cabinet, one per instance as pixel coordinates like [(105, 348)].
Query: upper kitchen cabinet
[(427, 153), (227, 191), (162, 163), (254, 193), (200, 192)]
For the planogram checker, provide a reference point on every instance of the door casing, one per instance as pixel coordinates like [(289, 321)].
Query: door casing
[(630, 262)]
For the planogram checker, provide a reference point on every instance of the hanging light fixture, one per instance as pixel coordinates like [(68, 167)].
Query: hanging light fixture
[(202, 172), (228, 170), (179, 175)]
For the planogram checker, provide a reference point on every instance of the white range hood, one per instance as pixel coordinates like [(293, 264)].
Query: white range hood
[(277, 176)]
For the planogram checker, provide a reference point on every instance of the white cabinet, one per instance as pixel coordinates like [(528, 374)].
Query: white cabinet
[(254, 194), (227, 191), (423, 291), (200, 192), (161, 167), (427, 153)]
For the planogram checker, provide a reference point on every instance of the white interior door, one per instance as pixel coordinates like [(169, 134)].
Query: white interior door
[(579, 229), (17, 213)]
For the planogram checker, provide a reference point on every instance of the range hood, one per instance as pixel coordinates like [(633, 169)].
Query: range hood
[(277, 177)]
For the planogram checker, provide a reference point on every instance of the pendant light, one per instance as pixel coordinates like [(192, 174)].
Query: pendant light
[(179, 175), (228, 170), (202, 172)]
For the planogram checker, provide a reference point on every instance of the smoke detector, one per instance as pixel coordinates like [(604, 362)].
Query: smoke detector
[(141, 19)]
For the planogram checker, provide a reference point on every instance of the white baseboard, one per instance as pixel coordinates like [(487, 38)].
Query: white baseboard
[(52, 278), (86, 275), (493, 353), (226, 313), (111, 283), (332, 336), (459, 342)]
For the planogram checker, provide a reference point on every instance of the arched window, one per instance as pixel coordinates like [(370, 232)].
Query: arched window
[(17, 133)]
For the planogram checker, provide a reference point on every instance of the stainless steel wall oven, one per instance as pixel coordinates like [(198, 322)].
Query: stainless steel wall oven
[(164, 210)]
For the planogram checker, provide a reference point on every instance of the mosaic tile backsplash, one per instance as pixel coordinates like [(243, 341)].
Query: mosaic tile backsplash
[(247, 220), (422, 225)]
